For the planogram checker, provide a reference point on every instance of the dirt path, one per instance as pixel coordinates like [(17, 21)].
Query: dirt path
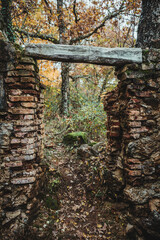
[(77, 207)]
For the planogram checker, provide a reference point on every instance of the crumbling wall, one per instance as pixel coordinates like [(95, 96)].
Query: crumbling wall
[(133, 132), (21, 133)]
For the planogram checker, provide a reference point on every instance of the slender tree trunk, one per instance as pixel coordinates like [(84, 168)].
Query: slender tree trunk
[(65, 89), (64, 108), (103, 86), (6, 19), (149, 25)]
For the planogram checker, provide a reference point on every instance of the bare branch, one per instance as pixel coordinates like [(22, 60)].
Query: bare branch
[(48, 6), (75, 12), (128, 32), (48, 37), (108, 17)]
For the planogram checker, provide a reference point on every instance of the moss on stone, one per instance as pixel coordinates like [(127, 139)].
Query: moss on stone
[(75, 137)]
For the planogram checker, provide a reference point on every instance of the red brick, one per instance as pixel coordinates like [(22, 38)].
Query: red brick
[(21, 73), (21, 98), (135, 100), (133, 161), (33, 92), (11, 104), (28, 79), (126, 136), (16, 92), (24, 123), (115, 128), (11, 80), (134, 166), (134, 113), (25, 67), (134, 173), (29, 105), (114, 134)]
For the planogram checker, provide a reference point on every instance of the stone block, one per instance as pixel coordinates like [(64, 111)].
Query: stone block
[(14, 164), (24, 123), (24, 180), (11, 215), (25, 67), (154, 205), (139, 130), (20, 200), (28, 140), (29, 128), (15, 140), (134, 124), (28, 117), (140, 195), (29, 157), (21, 73), (133, 161)]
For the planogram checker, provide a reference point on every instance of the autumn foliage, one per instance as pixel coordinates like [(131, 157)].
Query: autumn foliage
[(106, 23)]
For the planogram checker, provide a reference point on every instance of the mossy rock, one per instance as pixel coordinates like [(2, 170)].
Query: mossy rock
[(75, 138)]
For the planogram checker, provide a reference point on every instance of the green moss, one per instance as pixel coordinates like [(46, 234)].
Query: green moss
[(75, 137), (52, 203)]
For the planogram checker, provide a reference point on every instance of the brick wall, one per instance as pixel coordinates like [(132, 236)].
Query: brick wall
[(133, 132), (21, 133)]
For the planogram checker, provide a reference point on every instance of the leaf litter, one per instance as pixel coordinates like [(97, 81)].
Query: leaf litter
[(79, 207)]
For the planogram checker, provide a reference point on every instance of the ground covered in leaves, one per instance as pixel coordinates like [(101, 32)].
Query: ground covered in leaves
[(75, 203)]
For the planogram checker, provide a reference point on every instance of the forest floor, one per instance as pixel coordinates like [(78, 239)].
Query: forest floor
[(74, 204)]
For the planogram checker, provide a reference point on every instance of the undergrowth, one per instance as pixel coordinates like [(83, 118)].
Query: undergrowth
[(88, 116)]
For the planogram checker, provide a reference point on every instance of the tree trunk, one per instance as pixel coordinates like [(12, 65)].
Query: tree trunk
[(149, 25), (65, 90), (6, 20), (64, 108)]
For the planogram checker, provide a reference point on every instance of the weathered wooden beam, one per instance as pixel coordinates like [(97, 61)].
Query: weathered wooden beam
[(84, 54)]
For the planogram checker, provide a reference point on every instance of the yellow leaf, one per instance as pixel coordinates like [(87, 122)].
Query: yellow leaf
[(99, 225)]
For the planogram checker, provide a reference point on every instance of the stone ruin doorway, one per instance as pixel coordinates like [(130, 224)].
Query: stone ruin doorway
[(132, 131)]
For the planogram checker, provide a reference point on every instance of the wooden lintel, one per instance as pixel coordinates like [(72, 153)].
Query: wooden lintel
[(84, 54)]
